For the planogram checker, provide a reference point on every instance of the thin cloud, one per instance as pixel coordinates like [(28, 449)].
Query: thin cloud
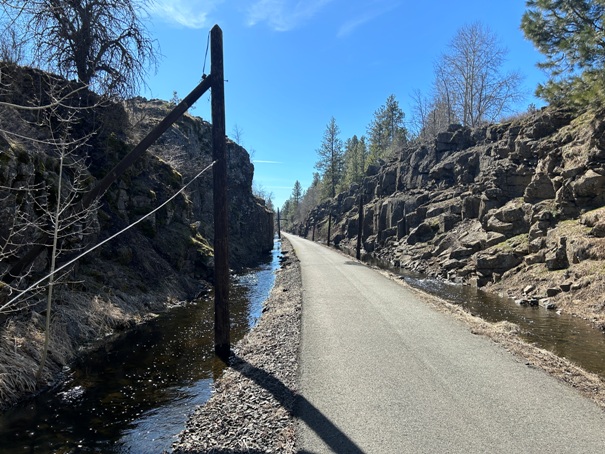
[(187, 13), (284, 15), (350, 26)]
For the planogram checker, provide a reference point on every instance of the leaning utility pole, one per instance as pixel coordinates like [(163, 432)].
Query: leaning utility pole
[(222, 341)]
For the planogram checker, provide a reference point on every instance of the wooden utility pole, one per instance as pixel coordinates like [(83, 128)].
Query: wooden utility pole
[(222, 339), (278, 225), (360, 227), (313, 235), (329, 227)]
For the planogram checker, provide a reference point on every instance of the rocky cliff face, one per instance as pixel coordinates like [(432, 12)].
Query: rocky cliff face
[(166, 258), (516, 207)]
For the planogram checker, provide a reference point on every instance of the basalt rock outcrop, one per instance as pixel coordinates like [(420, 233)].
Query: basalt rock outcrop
[(166, 258), (511, 206)]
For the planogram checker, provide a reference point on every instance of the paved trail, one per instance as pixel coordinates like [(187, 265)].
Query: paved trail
[(382, 372)]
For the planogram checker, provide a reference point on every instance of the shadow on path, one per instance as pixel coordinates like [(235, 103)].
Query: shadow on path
[(299, 406)]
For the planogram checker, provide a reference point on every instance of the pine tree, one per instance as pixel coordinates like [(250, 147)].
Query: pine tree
[(355, 160), (296, 194), (386, 131), (331, 162), (571, 34)]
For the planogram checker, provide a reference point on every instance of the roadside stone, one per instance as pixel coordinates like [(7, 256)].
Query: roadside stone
[(566, 287), (530, 288), (547, 304), (552, 291)]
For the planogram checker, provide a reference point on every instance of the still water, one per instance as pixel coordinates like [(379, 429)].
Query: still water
[(564, 335), (134, 394)]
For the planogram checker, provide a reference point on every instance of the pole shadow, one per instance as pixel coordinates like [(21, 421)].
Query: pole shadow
[(298, 406)]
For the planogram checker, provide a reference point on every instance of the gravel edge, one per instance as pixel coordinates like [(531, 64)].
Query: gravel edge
[(251, 409)]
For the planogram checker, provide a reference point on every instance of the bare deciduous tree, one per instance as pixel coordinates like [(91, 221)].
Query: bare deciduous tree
[(44, 177), (470, 80), (102, 43), (66, 224), (430, 116)]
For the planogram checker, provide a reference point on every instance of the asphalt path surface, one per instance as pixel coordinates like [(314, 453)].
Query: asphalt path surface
[(383, 372)]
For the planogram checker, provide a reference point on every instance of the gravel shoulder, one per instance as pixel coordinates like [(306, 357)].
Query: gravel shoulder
[(251, 409)]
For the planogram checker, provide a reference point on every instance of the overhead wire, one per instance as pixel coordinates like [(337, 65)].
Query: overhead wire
[(62, 267)]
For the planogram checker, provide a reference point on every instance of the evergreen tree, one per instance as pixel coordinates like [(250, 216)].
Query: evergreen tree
[(386, 131), (296, 194), (331, 162), (571, 34), (355, 160)]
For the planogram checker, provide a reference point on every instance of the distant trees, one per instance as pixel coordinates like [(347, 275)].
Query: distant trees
[(430, 116), (571, 34), (331, 163), (259, 191), (102, 43), (387, 130)]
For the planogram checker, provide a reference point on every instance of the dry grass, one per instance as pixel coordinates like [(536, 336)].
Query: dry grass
[(77, 319)]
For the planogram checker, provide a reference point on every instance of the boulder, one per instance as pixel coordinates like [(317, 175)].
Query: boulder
[(447, 222), (497, 262), (496, 225), (598, 230), (461, 253), (540, 188), (552, 291), (452, 264), (470, 207), (557, 259), (421, 234), (589, 185)]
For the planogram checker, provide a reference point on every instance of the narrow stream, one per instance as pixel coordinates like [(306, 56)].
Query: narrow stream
[(566, 336), (135, 394)]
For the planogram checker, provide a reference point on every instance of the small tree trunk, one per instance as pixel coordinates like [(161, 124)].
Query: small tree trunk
[(51, 279), (360, 227)]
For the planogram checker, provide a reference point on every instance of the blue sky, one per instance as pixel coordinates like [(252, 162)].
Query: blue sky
[(293, 64)]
